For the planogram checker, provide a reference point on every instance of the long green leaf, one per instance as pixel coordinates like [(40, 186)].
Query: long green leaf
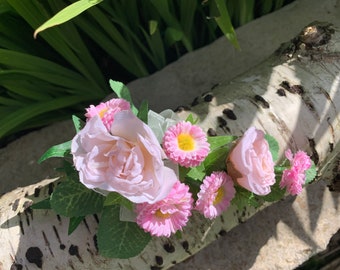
[(18, 117), (224, 23), (67, 14), (60, 150)]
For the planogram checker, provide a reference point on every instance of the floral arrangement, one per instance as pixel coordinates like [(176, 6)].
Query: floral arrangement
[(145, 173)]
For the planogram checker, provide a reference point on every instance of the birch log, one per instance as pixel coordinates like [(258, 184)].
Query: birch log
[(293, 95)]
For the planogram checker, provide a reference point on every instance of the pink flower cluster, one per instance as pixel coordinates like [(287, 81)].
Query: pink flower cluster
[(294, 178), (117, 152)]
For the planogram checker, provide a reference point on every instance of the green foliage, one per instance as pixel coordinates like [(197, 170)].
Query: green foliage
[(74, 223), (245, 198), (123, 92), (115, 198), (67, 13), (60, 150), (73, 199), (273, 146), (67, 67), (119, 239), (311, 173)]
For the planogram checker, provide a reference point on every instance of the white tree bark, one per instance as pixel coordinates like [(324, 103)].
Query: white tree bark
[(294, 96)]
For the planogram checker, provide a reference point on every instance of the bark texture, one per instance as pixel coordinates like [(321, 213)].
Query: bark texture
[(294, 96)]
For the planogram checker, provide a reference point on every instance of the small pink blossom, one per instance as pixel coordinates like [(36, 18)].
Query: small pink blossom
[(127, 160), (294, 178), (167, 216), (186, 144), (216, 192), (250, 163), (107, 110)]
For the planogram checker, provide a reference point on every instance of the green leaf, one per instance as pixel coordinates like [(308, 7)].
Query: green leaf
[(123, 92), (273, 146), (60, 150), (115, 198), (219, 141), (119, 239), (44, 204), (191, 119), (276, 192), (143, 112), (224, 22), (311, 173), (216, 160), (196, 173), (244, 198), (67, 14), (78, 123), (74, 223), (73, 199)]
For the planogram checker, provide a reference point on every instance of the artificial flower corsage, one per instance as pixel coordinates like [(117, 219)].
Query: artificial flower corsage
[(145, 173)]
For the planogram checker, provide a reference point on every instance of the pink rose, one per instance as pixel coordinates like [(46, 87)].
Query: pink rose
[(250, 163), (127, 160)]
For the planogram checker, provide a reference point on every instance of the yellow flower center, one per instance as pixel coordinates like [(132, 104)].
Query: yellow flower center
[(186, 142), (219, 196), (159, 214), (102, 112)]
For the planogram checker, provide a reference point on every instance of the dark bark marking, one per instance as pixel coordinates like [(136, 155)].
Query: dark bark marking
[(16, 266), (96, 218), (95, 242), (155, 268), (285, 85), (331, 147), (315, 155), (185, 245), (264, 103), (34, 255), (331, 144), (222, 232), (21, 225), (50, 188), (86, 225), (15, 205), (47, 243), (74, 251), (281, 92), (208, 97), (194, 102), (57, 234), (211, 132), (298, 89), (37, 191), (222, 123), (229, 113), (316, 34), (169, 248), (159, 260)]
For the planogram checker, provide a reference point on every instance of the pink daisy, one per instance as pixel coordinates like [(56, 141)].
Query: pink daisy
[(294, 178), (107, 110), (168, 215), (216, 192), (185, 144)]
